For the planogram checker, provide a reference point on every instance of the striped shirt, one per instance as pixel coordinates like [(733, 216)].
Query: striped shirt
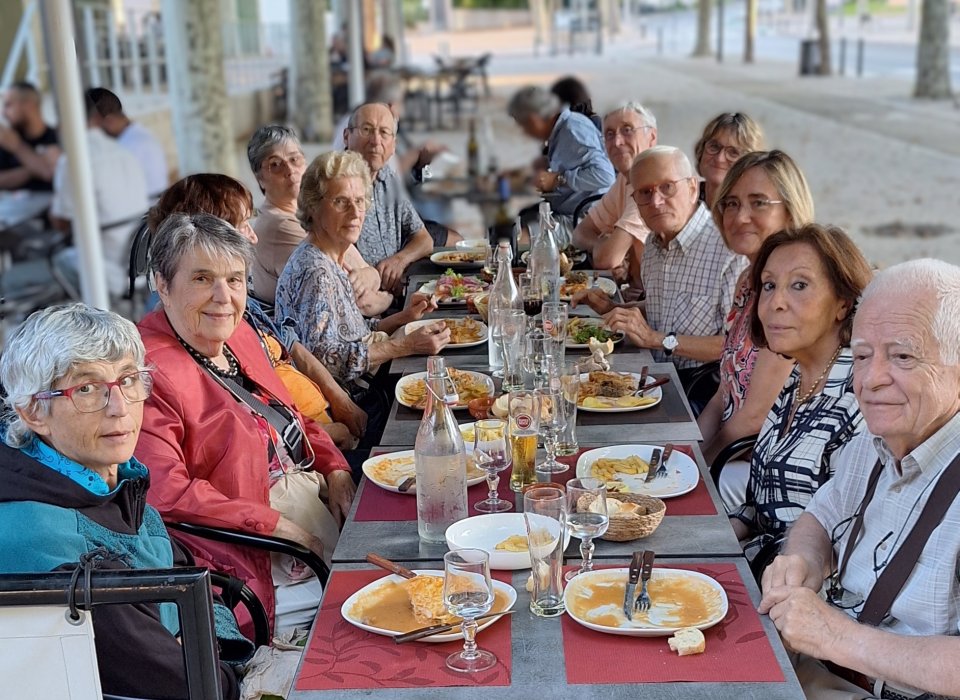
[(689, 282), (792, 460), (929, 603)]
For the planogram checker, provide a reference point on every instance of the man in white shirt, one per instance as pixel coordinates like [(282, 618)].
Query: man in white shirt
[(120, 190), (906, 375), (108, 115)]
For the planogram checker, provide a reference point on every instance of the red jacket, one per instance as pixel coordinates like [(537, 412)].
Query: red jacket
[(206, 454)]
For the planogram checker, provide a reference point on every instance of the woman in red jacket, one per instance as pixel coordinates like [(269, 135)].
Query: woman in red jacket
[(226, 447)]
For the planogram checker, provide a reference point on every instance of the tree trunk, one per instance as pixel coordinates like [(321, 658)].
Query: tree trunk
[(313, 115), (933, 51), (750, 31), (823, 35), (702, 47)]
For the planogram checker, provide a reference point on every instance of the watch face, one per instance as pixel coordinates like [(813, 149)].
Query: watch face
[(670, 342)]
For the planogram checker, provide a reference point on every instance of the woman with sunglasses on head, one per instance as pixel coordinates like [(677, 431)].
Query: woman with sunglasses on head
[(764, 192), (725, 138)]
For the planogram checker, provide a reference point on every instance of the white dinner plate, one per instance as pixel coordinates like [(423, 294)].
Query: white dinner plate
[(487, 531), (655, 393), (595, 322), (410, 378), (682, 472), (431, 288), (664, 617), (606, 284), (414, 325), (578, 257), (466, 429), (390, 476), (443, 259), (348, 604)]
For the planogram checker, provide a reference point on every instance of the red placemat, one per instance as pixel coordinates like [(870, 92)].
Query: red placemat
[(344, 657), (737, 649), (697, 502)]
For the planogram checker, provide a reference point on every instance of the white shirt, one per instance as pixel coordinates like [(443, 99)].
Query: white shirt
[(149, 153), (120, 192)]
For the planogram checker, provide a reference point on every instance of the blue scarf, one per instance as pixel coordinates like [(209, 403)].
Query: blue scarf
[(79, 474)]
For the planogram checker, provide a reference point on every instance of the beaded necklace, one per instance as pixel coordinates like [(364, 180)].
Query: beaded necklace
[(809, 395), (232, 371)]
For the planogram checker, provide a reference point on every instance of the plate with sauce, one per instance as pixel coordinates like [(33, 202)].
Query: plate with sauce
[(383, 607), (679, 598), (390, 470)]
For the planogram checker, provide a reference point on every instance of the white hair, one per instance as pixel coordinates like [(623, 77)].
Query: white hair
[(533, 100), (940, 280), (49, 344), (678, 156), (631, 106)]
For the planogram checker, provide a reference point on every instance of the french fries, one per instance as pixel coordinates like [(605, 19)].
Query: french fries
[(607, 468)]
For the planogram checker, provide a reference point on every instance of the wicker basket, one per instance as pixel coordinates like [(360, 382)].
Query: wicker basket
[(632, 526)]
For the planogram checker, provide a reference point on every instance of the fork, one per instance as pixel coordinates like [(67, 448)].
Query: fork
[(642, 603), (662, 469)]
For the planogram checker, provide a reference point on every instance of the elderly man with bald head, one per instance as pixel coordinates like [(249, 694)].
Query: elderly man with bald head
[(688, 272), (892, 507), (393, 235)]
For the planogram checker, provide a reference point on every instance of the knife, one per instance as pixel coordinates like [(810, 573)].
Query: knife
[(644, 371), (632, 579), (653, 385), (654, 463), (439, 629)]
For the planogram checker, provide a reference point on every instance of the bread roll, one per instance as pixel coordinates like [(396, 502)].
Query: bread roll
[(686, 641)]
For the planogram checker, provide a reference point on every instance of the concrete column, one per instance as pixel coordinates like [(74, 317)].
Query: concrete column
[(313, 116), (202, 125)]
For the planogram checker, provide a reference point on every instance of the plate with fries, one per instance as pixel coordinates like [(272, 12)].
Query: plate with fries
[(615, 392), (464, 332), (412, 389), (390, 470), (623, 468)]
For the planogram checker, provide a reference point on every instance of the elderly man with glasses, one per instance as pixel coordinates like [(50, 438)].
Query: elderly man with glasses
[(612, 227), (883, 536), (393, 235), (688, 272)]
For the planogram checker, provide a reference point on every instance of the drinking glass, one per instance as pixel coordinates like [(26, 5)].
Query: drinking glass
[(536, 356), (586, 517), (550, 288), (530, 293), (544, 515), (468, 593), (492, 455), (555, 326), (524, 412), (511, 325), (552, 422), (570, 390)]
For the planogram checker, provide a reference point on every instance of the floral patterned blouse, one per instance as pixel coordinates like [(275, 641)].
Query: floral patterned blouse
[(315, 292), (739, 354)]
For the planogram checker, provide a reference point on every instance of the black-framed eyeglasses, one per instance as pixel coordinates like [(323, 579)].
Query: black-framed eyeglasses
[(713, 148), (666, 189), (91, 397)]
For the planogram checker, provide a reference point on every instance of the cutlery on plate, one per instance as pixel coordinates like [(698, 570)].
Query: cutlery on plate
[(646, 568), (390, 566), (406, 484), (667, 451), (654, 464), (632, 579), (652, 385), (644, 371), (440, 629)]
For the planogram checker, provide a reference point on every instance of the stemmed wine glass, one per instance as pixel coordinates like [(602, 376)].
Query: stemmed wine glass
[(586, 517), (468, 593), (553, 421), (492, 455)]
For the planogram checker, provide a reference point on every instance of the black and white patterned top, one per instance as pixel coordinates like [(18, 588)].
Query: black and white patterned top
[(792, 460)]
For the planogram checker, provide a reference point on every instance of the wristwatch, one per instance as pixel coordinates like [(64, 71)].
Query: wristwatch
[(669, 343), (561, 179)]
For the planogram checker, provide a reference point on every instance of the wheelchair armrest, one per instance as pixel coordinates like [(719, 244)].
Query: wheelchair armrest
[(271, 544), (730, 451)]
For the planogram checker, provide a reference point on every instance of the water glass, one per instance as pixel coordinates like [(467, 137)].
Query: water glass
[(492, 455), (468, 593), (524, 423), (537, 356), (552, 422), (511, 325), (570, 391), (550, 288), (530, 293), (554, 316), (587, 517), (545, 518)]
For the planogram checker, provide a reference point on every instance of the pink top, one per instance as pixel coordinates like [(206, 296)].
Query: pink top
[(616, 209), (739, 354)]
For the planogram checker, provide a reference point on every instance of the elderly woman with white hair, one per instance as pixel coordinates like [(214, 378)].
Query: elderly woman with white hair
[(577, 166), (76, 383)]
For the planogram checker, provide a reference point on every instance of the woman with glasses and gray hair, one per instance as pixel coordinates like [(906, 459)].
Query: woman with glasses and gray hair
[(277, 161), (221, 432), (76, 382), (725, 138)]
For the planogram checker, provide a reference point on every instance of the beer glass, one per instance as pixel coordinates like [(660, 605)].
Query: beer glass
[(570, 391), (524, 423), (511, 324)]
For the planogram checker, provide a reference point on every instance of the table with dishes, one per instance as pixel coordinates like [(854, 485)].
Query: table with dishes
[(655, 600)]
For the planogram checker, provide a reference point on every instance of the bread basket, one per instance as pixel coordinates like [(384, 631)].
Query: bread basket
[(632, 526)]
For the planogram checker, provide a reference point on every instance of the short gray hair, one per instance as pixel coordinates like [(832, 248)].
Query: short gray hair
[(180, 234), (352, 121), (48, 345), (533, 100), (678, 156), (265, 139), (940, 279), (631, 106)]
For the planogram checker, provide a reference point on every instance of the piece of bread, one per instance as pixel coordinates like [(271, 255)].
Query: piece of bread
[(686, 641)]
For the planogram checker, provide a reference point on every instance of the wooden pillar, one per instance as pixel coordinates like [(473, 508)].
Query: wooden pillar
[(313, 115)]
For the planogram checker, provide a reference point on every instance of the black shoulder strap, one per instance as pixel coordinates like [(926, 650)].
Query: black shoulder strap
[(858, 518), (891, 581)]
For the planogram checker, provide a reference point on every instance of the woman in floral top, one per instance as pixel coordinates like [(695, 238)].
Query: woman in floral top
[(762, 193)]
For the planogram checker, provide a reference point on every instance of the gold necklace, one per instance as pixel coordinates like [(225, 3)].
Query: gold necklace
[(809, 395)]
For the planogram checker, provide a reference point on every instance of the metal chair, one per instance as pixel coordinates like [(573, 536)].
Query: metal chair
[(584, 207), (735, 449)]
